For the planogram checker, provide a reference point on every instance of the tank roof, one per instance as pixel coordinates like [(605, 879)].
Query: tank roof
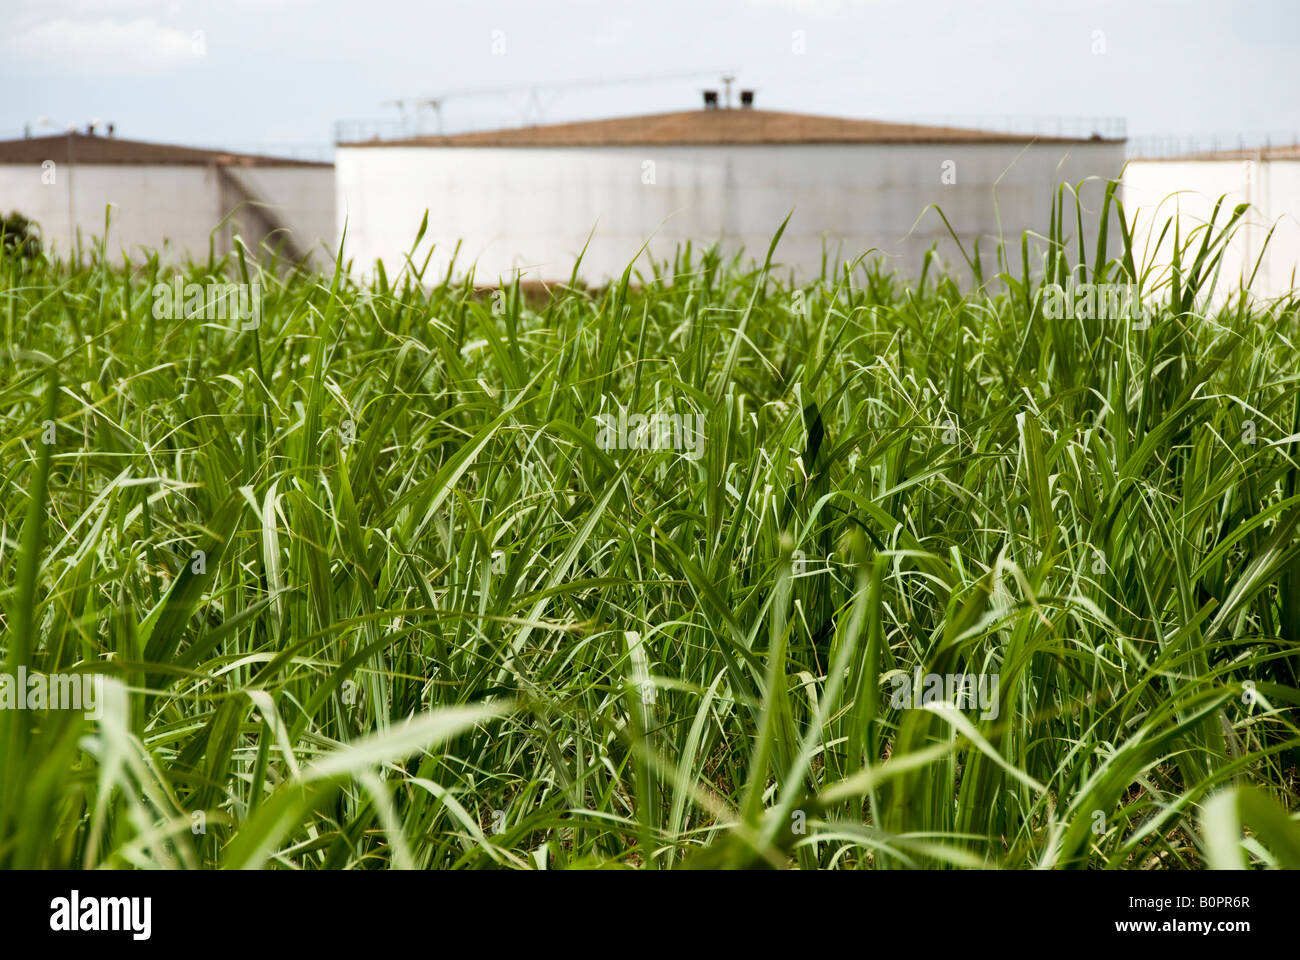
[(720, 127), (86, 148)]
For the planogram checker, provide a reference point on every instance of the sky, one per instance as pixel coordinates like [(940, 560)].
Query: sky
[(279, 73)]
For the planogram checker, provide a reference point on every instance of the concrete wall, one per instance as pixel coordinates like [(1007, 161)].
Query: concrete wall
[(169, 208), (1157, 190), (532, 208)]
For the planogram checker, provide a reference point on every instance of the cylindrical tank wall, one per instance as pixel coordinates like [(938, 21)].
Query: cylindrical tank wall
[(170, 208), (532, 208), (1157, 190)]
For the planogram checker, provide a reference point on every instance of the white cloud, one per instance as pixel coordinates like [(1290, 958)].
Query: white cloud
[(140, 48)]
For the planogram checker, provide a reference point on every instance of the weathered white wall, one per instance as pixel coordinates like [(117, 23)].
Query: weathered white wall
[(152, 206), (302, 198), (1158, 190), (169, 208), (532, 208)]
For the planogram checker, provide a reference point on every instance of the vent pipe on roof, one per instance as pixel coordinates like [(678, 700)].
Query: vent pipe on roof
[(746, 99), (710, 99)]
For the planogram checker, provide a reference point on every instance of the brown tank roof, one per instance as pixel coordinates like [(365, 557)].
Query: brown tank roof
[(713, 127), (97, 149)]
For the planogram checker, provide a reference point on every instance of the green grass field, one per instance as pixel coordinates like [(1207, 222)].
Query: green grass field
[(368, 590)]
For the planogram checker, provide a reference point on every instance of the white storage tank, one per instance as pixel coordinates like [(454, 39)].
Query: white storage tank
[(526, 199), (1268, 178), (164, 197)]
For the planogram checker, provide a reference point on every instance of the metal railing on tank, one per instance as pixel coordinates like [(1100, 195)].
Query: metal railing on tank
[(1209, 145), (1063, 127), (760, 126)]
